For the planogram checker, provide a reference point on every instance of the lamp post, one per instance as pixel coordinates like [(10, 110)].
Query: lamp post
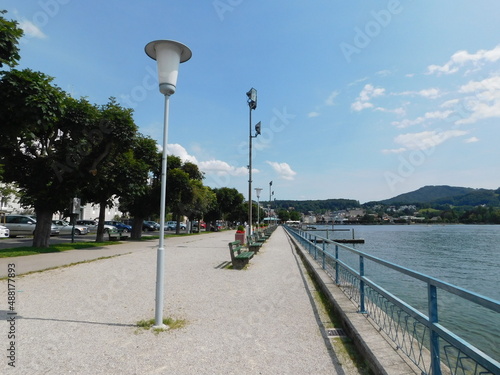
[(252, 104), (168, 55), (257, 192), (270, 184)]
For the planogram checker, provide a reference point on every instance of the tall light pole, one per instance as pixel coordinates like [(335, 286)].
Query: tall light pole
[(252, 104), (270, 184), (168, 55), (257, 192)]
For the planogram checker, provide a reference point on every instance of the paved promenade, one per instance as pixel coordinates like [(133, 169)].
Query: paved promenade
[(82, 319)]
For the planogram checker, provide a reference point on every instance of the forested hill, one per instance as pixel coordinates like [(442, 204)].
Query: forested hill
[(317, 206), (452, 195), (427, 196)]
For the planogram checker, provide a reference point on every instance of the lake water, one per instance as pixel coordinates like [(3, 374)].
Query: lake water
[(467, 256)]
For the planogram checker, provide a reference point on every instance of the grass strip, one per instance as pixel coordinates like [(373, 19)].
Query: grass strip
[(64, 266), (55, 248)]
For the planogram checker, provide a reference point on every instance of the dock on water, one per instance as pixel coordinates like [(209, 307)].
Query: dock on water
[(352, 240)]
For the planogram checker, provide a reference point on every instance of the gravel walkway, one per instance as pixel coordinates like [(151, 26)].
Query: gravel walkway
[(82, 319)]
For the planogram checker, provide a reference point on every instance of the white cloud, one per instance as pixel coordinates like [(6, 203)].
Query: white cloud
[(217, 167), (383, 73), (221, 168), (283, 169), (440, 115), (359, 105), (363, 100), (331, 99), (450, 103), (179, 151), (394, 150), (485, 102), (431, 93), (313, 114), (31, 30), (491, 84), (461, 58), (471, 140), (357, 81), (427, 139), (398, 111)]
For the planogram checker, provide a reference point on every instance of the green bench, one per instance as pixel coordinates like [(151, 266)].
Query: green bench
[(253, 244), (239, 257), (262, 237)]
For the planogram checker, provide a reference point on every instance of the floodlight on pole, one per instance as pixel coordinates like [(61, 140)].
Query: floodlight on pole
[(252, 104), (168, 55)]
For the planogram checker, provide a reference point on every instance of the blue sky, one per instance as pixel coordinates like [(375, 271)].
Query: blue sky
[(362, 100)]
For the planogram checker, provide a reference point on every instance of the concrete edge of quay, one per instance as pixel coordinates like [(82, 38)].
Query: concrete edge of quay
[(381, 354)]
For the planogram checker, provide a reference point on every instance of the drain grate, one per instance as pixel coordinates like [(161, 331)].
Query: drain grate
[(335, 332)]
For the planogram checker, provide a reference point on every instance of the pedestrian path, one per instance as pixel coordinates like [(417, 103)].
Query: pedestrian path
[(82, 319)]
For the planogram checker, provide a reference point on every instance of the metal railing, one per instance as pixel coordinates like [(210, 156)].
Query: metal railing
[(433, 348)]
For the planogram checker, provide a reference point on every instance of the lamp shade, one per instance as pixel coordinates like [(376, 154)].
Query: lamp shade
[(168, 55)]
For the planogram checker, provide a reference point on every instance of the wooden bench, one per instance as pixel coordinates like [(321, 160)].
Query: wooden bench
[(239, 257), (252, 244)]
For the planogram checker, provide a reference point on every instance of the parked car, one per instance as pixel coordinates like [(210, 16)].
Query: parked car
[(202, 224), (150, 226), (121, 226), (171, 225), (66, 228), (20, 225), (4, 231), (92, 226)]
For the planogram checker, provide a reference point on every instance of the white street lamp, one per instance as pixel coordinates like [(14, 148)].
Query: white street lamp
[(257, 192), (168, 55)]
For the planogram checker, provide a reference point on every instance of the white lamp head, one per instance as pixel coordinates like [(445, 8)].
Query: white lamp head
[(258, 190), (168, 55)]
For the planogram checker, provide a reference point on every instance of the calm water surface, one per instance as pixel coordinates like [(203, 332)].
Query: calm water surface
[(467, 256)]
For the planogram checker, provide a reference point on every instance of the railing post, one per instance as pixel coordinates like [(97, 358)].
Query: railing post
[(434, 337), (336, 264), (315, 248), (324, 243), (361, 285)]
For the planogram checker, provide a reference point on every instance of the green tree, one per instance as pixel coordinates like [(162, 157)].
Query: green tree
[(204, 199), (112, 155), (283, 215), (294, 215), (142, 197), (228, 207), (10, 33), (30, 111)]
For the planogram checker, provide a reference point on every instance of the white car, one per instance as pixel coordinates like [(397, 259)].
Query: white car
[(66, 228), (4, 231)]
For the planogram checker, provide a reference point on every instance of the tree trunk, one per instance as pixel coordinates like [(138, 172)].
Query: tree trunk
[(43, 227), (100, 225), (137, 228)]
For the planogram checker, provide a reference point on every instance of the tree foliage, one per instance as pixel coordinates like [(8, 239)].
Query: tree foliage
[(141, 198), (10, 33), (31, 109)]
